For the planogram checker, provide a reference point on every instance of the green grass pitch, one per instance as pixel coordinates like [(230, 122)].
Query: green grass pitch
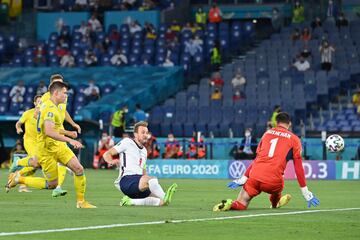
[(193, 200)]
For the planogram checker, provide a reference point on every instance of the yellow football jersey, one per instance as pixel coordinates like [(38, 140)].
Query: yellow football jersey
[(29, 120), (62, 106), (48, 112)]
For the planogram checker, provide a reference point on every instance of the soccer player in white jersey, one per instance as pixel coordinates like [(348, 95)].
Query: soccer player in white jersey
[(139, 188)]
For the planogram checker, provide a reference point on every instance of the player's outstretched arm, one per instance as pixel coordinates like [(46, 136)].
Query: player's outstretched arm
[(299, 170), (72, 134), (18, 127), (49, 129), (72, 123), (108, 156)]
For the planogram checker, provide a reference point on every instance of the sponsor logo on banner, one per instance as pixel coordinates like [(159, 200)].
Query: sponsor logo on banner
[(188, 169), (236, 169)]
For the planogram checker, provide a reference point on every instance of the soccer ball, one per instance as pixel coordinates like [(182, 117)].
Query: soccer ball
[(335, 143)]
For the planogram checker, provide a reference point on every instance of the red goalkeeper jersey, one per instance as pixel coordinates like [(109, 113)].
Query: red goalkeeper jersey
[(271, 157)]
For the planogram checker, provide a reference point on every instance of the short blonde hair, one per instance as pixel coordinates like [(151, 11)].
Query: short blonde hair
[(140, 124)]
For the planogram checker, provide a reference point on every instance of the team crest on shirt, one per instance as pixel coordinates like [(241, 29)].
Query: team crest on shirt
[(140, 161)]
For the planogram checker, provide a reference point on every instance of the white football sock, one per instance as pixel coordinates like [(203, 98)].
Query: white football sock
[(156, 189), (149, 201)]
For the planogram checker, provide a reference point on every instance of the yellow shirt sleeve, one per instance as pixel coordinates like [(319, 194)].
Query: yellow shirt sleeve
[(24, 117)]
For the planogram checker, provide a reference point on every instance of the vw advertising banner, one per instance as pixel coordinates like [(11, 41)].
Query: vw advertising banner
[(230, 169)]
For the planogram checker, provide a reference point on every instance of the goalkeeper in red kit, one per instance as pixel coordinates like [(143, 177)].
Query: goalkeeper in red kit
[(266, 173)]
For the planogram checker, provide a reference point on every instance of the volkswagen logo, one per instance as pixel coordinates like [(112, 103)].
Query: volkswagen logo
[(237, 169)]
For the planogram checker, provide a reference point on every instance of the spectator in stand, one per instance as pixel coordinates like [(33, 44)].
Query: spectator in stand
[(306, 53), (106, 43), (298, 13), (186, 27), (341, 21), (197, 149), (128, 4), (169, 35), (200, 17), (67, 60), (306, 35), (90, 59), (114, 36), (39, 55), (215, 56), (216, 95), (139, 114), (150, 32), (118, 121), (17, 92), (105, 143), (147, 5), (172, 148), (168, 63), (247, 148), (152, 147), (238, 82), (295, 36), (302, 64), (41, 89), (316, 23), (272, 123), (84, 29), (65, 36), (63, 44), (92, 92), (356, 100), (81, 5), (175, 27), (94, 23), (119, 58), (134, 27), (85, 42), (216, 80), (215, 14), (326, 51), (238, 95)]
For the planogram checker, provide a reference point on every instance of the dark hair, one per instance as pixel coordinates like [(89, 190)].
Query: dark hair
[(138, 105), (57, 86), (36, 97), (56, 76), (283, 117), (139, 124)]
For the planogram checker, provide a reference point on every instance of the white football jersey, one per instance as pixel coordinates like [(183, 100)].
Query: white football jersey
[(132, 158)]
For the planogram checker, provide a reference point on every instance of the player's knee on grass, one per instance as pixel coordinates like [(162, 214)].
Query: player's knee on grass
[(52, 184)]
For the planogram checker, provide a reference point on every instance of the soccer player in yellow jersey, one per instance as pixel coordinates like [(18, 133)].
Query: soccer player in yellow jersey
[(58, 191), (49, 150), (28, 119)]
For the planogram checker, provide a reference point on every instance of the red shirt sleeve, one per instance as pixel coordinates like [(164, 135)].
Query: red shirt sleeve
[(299, 169)]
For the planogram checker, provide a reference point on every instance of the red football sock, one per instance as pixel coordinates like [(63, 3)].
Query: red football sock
[(236, 205), (274, 199)]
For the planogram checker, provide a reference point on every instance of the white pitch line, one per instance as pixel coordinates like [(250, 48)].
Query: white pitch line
[(173, 221)]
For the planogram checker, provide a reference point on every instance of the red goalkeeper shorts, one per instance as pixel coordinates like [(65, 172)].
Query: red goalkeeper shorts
[(254, 187)]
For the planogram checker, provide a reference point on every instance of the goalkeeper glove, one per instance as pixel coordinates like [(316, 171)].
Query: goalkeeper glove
[(309, 197), (237, 182)]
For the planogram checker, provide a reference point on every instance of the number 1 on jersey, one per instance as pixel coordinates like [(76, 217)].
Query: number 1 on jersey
[(273, 143)]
